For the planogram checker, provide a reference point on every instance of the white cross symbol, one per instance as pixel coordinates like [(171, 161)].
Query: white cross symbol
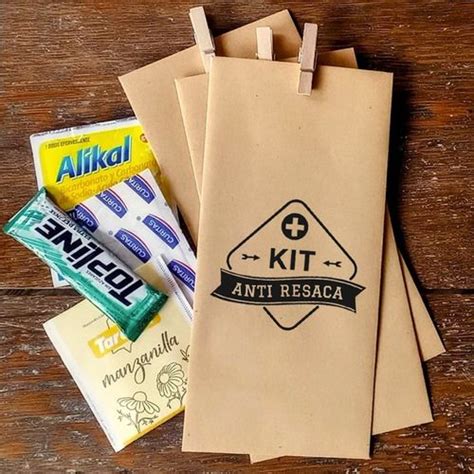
[(295, 227)]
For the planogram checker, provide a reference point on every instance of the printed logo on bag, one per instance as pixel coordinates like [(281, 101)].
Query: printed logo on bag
[(134, 244), (113, 201), (141, 187), (289, 263), (85, 217), (162, 229)]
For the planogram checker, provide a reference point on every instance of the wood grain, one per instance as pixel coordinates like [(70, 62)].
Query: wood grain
[(60, 63), (59, 66), (47, 425)]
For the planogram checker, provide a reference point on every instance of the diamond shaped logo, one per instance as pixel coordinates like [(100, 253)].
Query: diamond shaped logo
[(290, 266)]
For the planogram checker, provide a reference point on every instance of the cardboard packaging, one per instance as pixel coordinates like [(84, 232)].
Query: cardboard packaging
[(67, 161), (131, 387)]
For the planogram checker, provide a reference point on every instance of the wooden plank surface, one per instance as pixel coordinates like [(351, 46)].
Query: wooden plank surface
[(59, 66), (46, 424), (60, 63)]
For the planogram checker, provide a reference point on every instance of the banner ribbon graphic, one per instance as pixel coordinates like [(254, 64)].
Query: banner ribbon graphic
[(287, 290)]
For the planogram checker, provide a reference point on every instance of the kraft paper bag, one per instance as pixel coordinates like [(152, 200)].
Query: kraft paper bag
[(192, 95), (290, 250), (400, 398), (401, 381), (429, 342), (401, 390), (152, 95)]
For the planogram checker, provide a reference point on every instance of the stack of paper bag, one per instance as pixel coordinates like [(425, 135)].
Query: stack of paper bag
[(152, 95), (400, 395), (288, 374)]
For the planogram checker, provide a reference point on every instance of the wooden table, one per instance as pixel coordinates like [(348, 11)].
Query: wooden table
[(59, 67)]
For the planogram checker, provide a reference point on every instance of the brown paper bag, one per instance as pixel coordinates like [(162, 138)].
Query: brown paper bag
[(402, 382), (192, 95), (282, 179), (152, 95), (400, 398), (397, 391), (429, 342)]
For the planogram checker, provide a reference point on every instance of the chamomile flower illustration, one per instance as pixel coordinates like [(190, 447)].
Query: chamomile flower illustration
[(171, 383), (141, 411)]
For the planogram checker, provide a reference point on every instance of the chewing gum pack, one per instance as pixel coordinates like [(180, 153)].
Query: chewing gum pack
[(134, 221), (76, 163), (87, 266), (131, 387)]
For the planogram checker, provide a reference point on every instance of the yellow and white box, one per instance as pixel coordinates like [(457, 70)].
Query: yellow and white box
[(76, 163), (132, 387)]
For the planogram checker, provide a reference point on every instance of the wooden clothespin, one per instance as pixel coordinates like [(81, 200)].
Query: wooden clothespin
[(203, 36), (265, 43), (307, 58)]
